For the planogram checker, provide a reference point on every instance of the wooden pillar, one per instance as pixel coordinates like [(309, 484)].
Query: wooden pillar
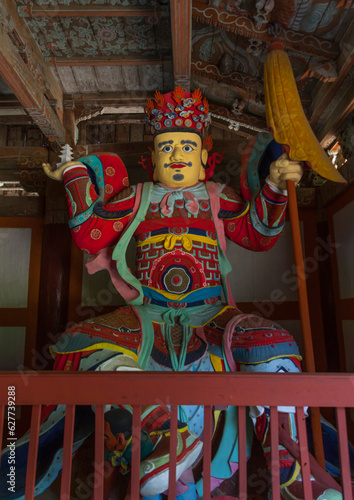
[(3, 135), (82, 133), (312, 263), (70, 126), (181, 31), (55, 272), (328, 303)]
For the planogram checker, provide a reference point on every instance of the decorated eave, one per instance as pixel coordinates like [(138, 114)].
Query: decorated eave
[(63, 62)]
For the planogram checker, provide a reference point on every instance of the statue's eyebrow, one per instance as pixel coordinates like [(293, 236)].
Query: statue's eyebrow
[(189, 142), (160, 144)]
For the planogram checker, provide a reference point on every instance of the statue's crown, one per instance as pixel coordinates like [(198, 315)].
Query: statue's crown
[(176, 110)]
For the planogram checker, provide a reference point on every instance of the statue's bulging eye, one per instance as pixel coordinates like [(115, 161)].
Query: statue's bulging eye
[(187, 148), (167, 149)]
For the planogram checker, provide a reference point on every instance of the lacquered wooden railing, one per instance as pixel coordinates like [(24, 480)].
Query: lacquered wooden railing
[(208, 389)]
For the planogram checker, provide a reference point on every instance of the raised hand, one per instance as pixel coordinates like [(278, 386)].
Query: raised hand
[(284, 169), (57, 174)]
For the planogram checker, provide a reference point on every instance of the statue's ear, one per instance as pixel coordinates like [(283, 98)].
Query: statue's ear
[(153, 163), (120, 442), (204, 162), (205, 155)]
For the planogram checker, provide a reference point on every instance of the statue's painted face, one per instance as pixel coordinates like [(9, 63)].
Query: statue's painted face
[(178, 159)]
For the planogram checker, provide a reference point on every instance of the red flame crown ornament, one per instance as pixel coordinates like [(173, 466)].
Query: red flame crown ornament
[(177, 110)]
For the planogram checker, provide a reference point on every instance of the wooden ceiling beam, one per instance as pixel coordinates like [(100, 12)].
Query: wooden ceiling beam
[(339, 113), (88, 104), (9, 100), (130, 100), (74, 10), (247, 27), (249, 87), (15, 120), (135, 149), (21, 81), (124, 119), (181, 30), (104, 61), (35, 154), (240, 81), (111, 98), (248, 121), (240, 133)]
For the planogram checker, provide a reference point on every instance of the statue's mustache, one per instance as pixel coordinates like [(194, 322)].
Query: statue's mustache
[(181, 164)]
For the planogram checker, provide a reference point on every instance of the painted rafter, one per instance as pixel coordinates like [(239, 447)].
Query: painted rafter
[(27, 47), (21, 81), (74, 10), (247, 27), (181, 30)]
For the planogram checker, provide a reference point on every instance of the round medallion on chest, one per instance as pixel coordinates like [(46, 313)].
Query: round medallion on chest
[(177, 279), (177, 272)]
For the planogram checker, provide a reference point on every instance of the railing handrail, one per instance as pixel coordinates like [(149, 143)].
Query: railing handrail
[(242, 389)]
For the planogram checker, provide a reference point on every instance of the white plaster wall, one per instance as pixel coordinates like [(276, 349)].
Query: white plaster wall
[(344, 237), (15, 248), (12, 347), (263, 276)]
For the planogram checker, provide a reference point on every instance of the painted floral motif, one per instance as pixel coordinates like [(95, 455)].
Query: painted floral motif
[(107, 34), (87, 37)]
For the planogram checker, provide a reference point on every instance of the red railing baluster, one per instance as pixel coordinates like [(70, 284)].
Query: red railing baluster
[(173, 454), (242, 453), (207, 436), (136, 446), (274, 441), (99, 453), (344, 453), (67, 452), (32, 452), (304, 453)]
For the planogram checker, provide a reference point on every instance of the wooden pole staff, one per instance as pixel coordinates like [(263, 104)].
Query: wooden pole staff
[(304, 315)]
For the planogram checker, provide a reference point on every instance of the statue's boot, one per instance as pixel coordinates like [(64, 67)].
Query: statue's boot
[(291, 485), (189, 494), (154, 470)]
